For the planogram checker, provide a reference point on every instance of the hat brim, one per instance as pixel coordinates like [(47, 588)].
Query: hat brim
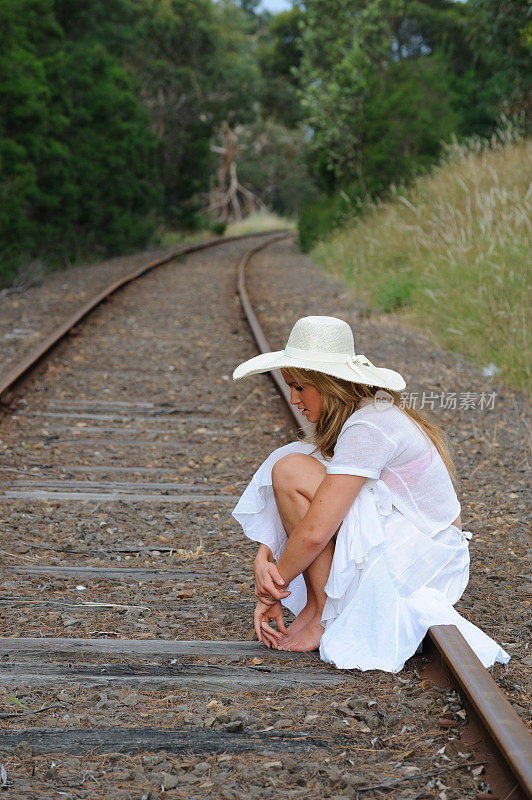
[(374, 376)]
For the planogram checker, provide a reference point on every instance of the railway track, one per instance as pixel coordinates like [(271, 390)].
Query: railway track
[(127, 661)]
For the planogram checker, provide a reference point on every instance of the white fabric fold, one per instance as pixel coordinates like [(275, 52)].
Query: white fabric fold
[(389, 581)]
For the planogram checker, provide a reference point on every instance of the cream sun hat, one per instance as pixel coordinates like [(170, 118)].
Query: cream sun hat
[(324, 344)]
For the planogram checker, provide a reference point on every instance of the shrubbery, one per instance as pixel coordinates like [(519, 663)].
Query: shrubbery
[(321, 215)]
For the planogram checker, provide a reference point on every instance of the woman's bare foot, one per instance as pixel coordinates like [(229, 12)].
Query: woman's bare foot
[(302, 619), (305, 640)]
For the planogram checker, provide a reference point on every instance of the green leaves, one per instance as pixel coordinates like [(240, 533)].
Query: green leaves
[(15, 700)]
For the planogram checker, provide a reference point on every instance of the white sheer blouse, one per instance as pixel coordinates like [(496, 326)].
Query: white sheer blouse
[(387, 444)]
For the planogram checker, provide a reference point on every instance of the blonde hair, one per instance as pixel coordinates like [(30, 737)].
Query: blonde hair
[(340, 399)]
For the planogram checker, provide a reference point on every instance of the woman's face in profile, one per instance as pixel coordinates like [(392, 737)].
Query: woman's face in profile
[(306, 397)]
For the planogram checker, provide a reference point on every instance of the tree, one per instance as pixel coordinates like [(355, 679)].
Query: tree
[(501, 39), (408, 112), (111, 23), (229, 200), (273, 165), (31, 128), (411, 60), (343, 43), (195, 66), (115, 152), (78, 168), (279, 58)]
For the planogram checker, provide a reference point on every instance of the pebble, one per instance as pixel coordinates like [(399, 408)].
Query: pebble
[(357, 705), (289, 763), (201, 768), (152, 759), (131, 699), (333, 773), (51, 772), (350, 780), (169, 781), (236, 725), (372, 719), (23, 750)]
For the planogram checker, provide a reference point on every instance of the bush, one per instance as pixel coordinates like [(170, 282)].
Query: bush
[(219, 228), (397, 293), (322, 215)]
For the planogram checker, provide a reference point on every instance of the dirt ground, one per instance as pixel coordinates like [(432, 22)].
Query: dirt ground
[(128, 453)]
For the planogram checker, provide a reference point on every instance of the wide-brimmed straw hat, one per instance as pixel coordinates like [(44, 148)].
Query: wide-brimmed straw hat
[(324, 344)]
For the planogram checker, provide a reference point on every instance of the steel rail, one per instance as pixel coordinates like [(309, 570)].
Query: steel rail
[(38, 353), (496, 715)]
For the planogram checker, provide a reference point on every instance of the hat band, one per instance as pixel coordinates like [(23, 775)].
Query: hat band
[(318, 355)]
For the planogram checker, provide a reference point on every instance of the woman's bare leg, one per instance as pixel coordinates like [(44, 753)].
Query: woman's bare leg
[(292, 507), (295, 481)]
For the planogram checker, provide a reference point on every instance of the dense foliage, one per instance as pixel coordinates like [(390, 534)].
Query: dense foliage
[(385, 82), (109, 108), (78, 161)]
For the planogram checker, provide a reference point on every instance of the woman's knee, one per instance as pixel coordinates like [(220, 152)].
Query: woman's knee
[(297, 471)]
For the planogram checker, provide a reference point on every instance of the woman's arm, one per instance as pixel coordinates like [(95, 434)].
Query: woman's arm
[(333, 499)]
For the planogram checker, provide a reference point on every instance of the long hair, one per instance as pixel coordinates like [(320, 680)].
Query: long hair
[(340, 399)]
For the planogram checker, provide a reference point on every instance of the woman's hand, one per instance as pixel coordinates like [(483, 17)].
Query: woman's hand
[(264, 612), (269, 583)]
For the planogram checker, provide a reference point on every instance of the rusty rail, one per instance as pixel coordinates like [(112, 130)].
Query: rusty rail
[(501, 724)]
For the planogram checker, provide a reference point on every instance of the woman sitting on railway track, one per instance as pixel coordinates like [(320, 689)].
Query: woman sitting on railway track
[(360, 531)]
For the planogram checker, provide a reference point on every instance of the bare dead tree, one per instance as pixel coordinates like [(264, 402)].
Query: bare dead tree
[(228, 200)]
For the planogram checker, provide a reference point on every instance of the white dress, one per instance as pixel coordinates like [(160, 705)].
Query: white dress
[(399, 564)]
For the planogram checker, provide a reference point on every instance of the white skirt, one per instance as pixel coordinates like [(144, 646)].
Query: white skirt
[(389, 582)]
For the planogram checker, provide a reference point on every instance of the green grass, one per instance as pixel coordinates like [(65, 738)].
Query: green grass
[(452, 254)]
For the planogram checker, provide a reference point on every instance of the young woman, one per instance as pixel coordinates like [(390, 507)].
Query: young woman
[(360, 531)]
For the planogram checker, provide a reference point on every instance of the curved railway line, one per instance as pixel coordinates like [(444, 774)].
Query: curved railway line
[(122, 458)]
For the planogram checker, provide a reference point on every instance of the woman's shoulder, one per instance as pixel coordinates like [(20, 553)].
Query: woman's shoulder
[(373, 411), (386, 417)]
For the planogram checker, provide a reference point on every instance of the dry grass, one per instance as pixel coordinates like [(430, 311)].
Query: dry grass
[(260, 222), (452, 254)]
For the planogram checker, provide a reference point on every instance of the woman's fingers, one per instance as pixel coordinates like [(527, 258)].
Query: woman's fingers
[(269, 583), (265, 633), (256, 621), (267, 629), (274, 583), (280, 623), (270, 641), (268, 599), (269, 589), (276, 575), (275, 592)]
